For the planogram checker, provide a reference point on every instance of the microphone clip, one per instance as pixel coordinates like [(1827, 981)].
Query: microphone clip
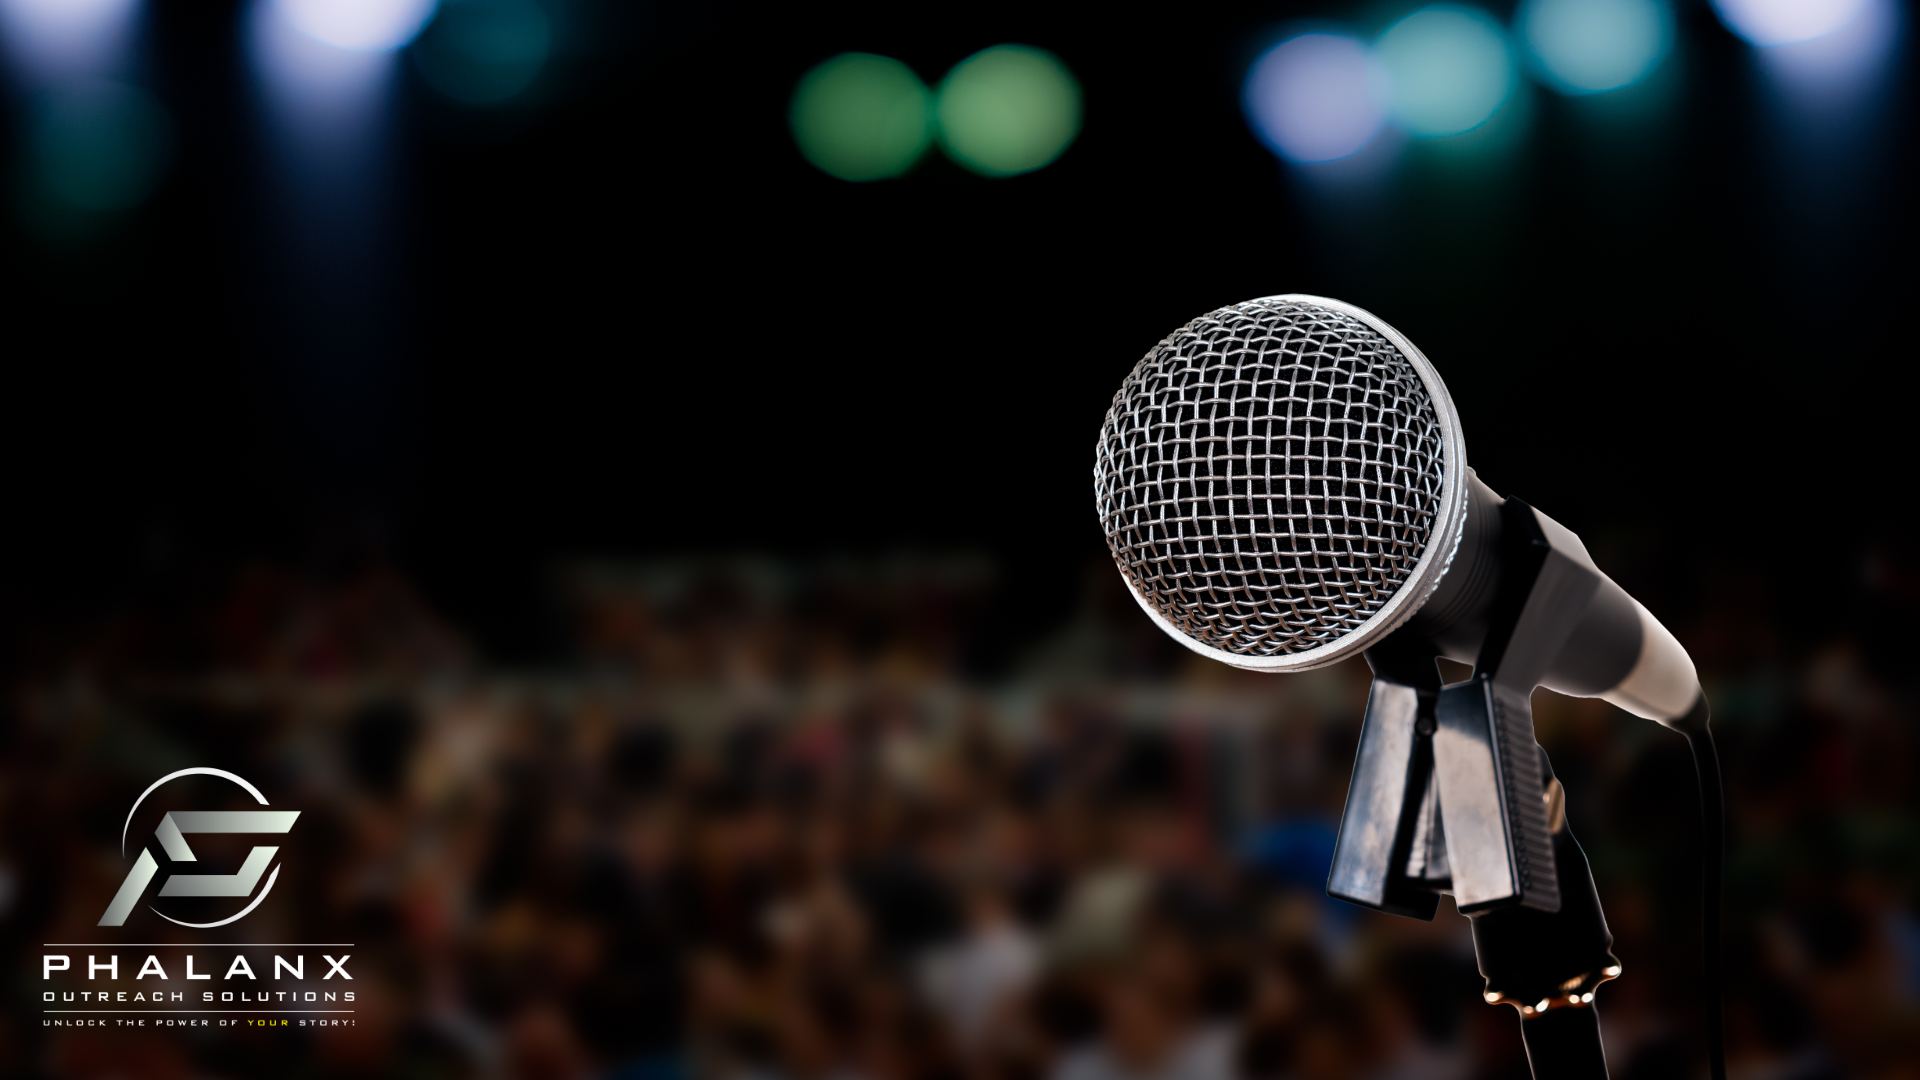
[(1447, 790)]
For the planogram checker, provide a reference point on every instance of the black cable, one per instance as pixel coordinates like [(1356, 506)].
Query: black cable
[(1713, 839)]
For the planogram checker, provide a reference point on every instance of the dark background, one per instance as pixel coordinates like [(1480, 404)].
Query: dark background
[(627, 317)]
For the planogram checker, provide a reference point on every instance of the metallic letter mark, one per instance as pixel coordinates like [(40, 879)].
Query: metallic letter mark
[(172, 834)]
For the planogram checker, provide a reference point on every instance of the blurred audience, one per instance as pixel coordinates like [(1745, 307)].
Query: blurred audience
[(767, 828)]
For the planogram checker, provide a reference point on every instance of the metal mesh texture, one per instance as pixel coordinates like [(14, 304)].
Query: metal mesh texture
[(1269, 475)]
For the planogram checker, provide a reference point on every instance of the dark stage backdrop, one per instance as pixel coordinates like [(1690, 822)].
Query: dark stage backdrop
[(628, 317)]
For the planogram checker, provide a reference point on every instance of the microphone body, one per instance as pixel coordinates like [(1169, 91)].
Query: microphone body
[(1613, 649)]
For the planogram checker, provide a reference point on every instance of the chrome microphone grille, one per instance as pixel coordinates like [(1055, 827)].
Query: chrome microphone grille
[(1280, 481)]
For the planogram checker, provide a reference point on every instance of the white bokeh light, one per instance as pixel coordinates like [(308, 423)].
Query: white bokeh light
[(311, 84), (1841, 72), (1316, 97), (358, 25), (50, 40), (1783, 22)]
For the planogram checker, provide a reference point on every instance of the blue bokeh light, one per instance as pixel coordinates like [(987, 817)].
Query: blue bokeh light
[(1783, 22), (1316, 97), (484, 52), (1591, 46), (1449, 68)]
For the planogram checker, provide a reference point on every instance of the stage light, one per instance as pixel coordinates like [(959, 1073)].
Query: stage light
[(313, 87), (358, 25), (99, 146), (1591, 46), (483, 52), (326, 120), (1843, 70), (329, 204), (56, 39), (1316, 97), (1782, 22), (1008, 110), (862, 117), (1448, 68)]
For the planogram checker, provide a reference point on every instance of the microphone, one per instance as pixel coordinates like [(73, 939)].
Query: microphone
[(1283, 485)]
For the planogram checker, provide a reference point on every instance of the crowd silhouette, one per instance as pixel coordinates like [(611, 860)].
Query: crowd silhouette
[(767, 822)]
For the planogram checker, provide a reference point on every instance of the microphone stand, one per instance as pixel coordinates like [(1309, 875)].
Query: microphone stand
[(1451, 793)]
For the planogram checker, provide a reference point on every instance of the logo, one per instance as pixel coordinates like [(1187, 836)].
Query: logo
[(172, 833)]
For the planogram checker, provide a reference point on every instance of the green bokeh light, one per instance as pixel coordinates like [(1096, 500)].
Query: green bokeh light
[(1009, 109), (862, 117)]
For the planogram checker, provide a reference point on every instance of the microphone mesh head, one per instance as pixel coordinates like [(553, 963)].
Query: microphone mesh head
[(1270, 476)]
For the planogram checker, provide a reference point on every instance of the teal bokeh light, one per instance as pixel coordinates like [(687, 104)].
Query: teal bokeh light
[(99, 146), (1449, 69), (862, 117), (1591, 46), (484, 52), (1008, 110)]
